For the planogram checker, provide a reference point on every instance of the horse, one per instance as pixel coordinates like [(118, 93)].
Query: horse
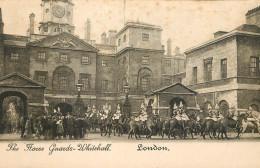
[(209, 127), (150, 123), (171, 125), (134, 128), (118, 126), (231, 123)]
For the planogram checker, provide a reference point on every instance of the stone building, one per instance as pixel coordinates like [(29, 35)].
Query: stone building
[(225, 70), (57, 59)]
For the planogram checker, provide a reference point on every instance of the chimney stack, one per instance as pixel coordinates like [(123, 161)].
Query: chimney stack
[(1, 23), (32, 17), (103, 38), (169, 47), (112, 37), (87, 30)]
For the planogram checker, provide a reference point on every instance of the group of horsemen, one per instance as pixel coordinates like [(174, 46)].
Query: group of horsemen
[(179, 113)]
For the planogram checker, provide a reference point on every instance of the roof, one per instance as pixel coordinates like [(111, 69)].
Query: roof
[(172, 88), (230, 34), (18, 80), (15, 40), (248, 28), (139, 25), (106, 49), (63, 34), (253, 11)]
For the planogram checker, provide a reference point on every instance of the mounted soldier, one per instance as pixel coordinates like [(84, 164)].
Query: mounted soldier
[(232, 113), (143, 115), (250, 116), (117, 114), (175, 110), (210, 113), (217, 116), (183, 113)]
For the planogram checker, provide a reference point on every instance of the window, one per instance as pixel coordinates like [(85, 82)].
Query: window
[(41, 79), (124, 38), (145, 60), (208, 69), (104, 85), (104, 63), (195, 75), (254, 66), (145, 37), (223, 68), (63, 58), (144, 84), (63, 82), (59, 30), (45, 29), (85, 60), (118, 62), (14, 56), (119, 40), (41, 56), (167, 63), (118, 85), (85, 83)]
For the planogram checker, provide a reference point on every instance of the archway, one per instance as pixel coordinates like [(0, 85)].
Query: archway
[(176, 101), (223, 107), (65, 108), (63, 79), (13, 111)]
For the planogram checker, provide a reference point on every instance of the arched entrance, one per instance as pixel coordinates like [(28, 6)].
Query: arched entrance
[(65, 108), (177, 101), (13, 111), (223, 107)]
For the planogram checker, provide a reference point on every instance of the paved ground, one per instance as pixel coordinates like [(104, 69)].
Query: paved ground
[(98, 137)]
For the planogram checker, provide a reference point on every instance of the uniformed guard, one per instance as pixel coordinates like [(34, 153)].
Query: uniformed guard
[(210, 113), (232, 113), (250, 116), (175, 110), (143, 115), (117, 114), (184, 116)]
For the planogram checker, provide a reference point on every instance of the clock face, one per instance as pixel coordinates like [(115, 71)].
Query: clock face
[(58, 11)]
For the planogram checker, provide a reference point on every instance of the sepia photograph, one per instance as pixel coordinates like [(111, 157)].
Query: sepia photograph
[(153, 82)]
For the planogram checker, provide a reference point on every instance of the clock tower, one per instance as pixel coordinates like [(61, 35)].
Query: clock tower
[(57, 17)]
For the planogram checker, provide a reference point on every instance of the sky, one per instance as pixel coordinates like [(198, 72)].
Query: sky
[(187, 23)]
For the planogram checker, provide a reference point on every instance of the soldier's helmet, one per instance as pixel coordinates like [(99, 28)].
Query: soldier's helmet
[(174, 106), (250, 108), (216, 107), (209, 107)]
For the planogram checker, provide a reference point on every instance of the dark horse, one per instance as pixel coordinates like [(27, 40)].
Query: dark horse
[(231, 123), (106, 126), (118, 125), (173, 125), (210, 127)]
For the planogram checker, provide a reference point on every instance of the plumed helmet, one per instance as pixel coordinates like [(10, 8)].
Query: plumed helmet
[(216, 107), (174, 106)]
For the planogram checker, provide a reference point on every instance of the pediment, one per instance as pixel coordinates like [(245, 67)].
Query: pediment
[(176, 88), (64, 41), (18, 80)]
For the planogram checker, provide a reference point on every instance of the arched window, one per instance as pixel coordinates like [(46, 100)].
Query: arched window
[(63, 79), (144, 78)]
